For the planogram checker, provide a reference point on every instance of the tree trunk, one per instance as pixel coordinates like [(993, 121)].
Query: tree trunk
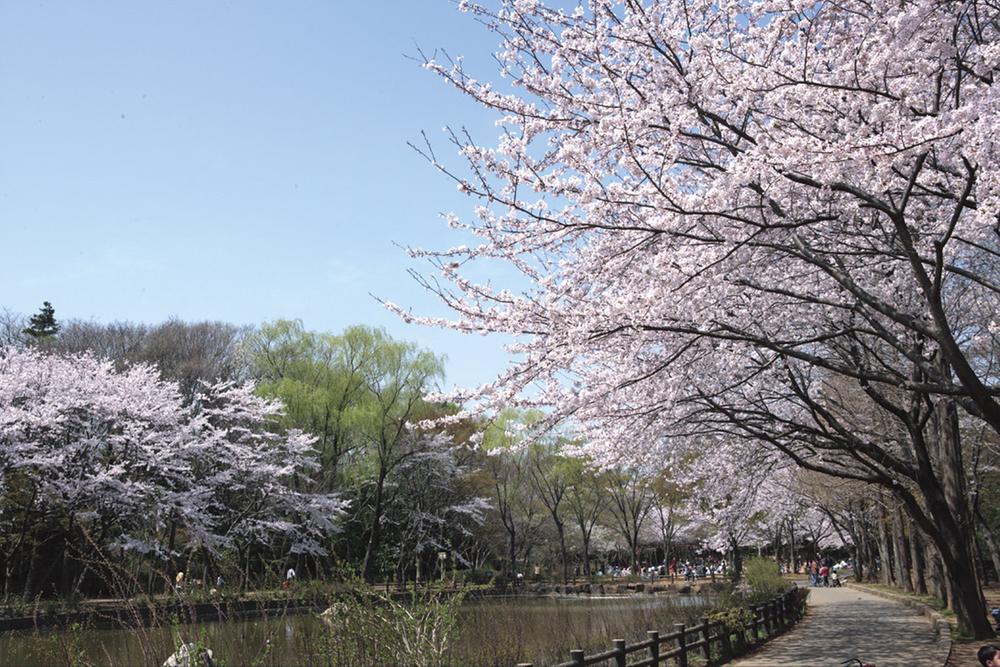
[(991, 546), (917, 565), (374, 533), (737, 560), (860, 551), (935, 575), (511, 551), (562, 552), (29, 580), (946, 531), (901, 565), (885, 561), (956, 529)]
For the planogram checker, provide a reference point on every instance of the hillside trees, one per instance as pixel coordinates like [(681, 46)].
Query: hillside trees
[(189, 353), (723, 209)]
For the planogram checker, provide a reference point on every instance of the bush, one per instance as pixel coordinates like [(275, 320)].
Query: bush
[(368, 627), (733, 619), (763, 578), (477, 577)]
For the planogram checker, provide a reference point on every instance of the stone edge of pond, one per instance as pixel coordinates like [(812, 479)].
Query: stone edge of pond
[(121, 616)]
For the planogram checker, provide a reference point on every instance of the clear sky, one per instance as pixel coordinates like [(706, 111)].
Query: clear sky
[(236, 161)]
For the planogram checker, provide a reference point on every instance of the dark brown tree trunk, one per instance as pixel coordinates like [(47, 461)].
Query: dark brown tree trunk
[(901, 566), (861, 556), (885, 559), (991, 546), (944, 528), (562, 551), (917, 565), (955, 520), (29, 579), (935, 575), (374, 532)]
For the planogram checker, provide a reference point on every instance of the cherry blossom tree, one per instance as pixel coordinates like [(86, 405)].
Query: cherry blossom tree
[(433, 508), (729, 213), (91, 456)]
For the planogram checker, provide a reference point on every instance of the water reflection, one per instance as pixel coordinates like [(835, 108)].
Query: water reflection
[(493, 631)]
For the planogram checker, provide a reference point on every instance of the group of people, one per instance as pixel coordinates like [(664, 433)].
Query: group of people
[(687, 569), (180, 581), (822, 573), (692, 571)]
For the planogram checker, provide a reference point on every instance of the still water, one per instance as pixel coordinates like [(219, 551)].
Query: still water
[(489, 632)]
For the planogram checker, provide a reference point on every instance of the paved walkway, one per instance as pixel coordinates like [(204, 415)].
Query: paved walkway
[(844, 623)]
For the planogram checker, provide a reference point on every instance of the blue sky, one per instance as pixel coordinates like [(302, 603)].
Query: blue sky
[(239, 161)]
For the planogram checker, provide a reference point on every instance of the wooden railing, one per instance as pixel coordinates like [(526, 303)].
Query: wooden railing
[(710, 640)]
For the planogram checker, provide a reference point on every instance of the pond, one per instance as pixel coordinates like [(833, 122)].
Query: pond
[(490, 632)]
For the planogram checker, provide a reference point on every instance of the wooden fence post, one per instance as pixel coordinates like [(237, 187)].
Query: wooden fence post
[(577, 656), (727, 645), (654, 650), (620, 654), (706, 649), (682, 654)]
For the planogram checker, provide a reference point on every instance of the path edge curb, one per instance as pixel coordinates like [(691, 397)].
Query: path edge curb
[(940, 625)]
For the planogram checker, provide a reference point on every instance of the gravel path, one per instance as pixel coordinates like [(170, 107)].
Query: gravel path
[(843, 623)]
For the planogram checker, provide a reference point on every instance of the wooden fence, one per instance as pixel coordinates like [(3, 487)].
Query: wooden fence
[(710, 640)]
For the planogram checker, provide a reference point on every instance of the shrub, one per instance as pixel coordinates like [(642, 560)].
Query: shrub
[(477, 577), (368, 627), (763, 578)]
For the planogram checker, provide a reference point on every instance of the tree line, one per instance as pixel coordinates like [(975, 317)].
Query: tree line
[(335, 459), (215, 449)]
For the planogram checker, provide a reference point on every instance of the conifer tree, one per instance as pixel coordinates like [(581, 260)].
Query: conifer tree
[(43, 324)]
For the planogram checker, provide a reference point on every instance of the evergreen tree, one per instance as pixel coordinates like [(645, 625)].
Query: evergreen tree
[(43, 325)]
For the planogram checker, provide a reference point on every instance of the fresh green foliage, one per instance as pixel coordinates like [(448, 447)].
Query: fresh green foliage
[(764, 578)]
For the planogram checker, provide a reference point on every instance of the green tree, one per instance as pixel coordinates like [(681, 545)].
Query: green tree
[(394, 383), (507, 467), (359, 393), (551, 475), (585, 498), (320, 379), (43, 324)]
